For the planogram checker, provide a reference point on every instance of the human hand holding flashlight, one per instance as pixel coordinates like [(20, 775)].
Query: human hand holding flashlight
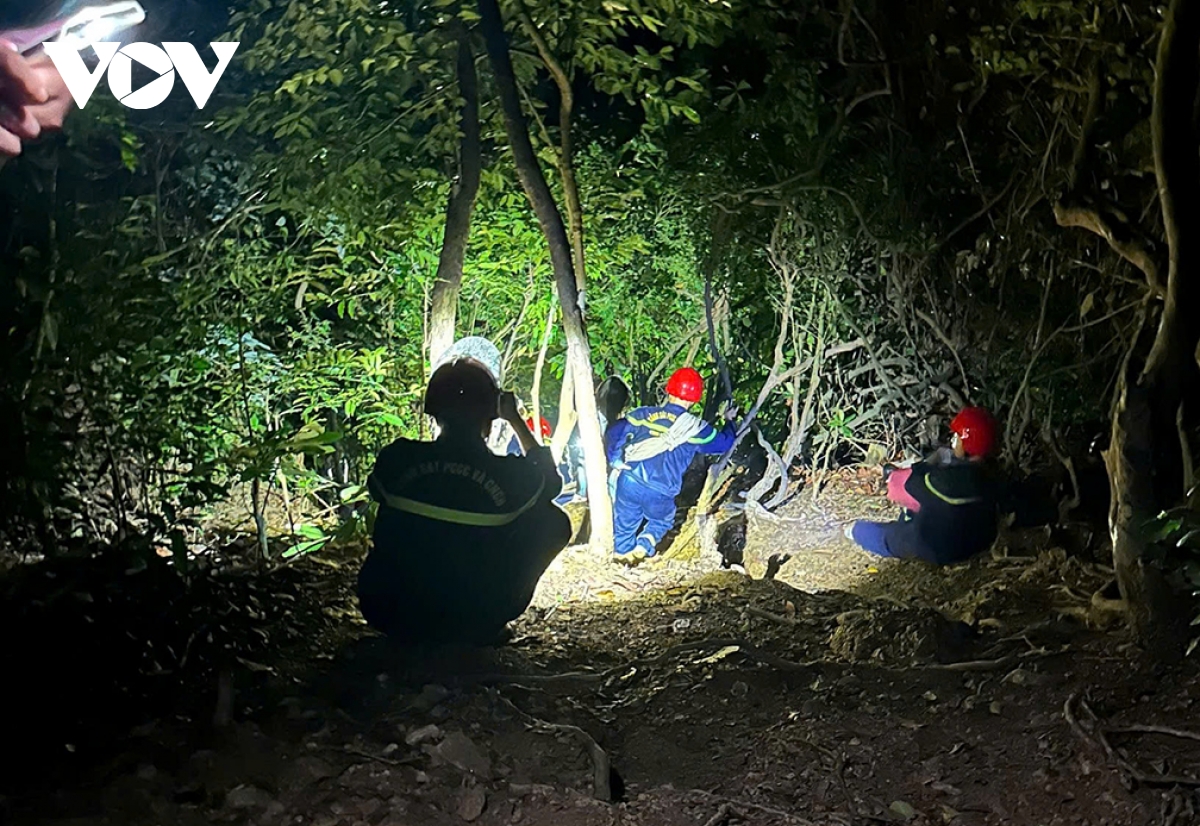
[(33, 96)]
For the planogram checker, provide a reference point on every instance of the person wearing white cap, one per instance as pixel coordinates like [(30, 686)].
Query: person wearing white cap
[(502, 439)]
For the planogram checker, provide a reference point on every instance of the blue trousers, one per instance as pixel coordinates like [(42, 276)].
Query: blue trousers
[(636, 505), (898, 540)]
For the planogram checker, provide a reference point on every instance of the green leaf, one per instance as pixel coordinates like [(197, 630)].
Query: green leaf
[(351, 492), (1089, 302), (1165, 528), (306, 547), (50, 330)]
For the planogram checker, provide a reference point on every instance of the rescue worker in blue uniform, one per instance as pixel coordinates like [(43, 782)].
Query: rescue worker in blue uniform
[(650, 450), (951, 502), (462, 535)]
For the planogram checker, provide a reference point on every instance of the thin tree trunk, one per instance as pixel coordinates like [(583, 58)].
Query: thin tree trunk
[(719, 225), (566, 414), (692, 339), (578, 350), (568, 409), (801, 419), (693, 350), (510, 349), (444, 301), (536, 392), (566, 162)]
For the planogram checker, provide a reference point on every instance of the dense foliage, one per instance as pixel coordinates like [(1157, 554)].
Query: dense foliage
[(875, 198)]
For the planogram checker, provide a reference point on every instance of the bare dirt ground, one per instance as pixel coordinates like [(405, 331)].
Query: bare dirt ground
[(845, 691)]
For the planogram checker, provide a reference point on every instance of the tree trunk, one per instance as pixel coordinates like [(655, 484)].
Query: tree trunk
[(1146, 456), (444, 301), (578, 350), (1130, 461), (535, 394)]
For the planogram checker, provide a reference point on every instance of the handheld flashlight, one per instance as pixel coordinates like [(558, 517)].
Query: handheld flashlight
[(91, 24)]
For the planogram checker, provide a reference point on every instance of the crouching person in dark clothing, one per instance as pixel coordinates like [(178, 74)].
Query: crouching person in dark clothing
[(462, 536), (953, 501)]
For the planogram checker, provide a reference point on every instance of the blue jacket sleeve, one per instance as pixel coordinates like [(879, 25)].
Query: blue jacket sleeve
[(711, 440), (613, 438)]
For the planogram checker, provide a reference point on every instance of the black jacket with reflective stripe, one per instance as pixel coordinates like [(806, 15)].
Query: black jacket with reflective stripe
[(959, 508), (437, 494)]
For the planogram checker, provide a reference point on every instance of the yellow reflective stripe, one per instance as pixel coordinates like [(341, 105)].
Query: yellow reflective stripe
[(457, 517), (698, 440), (649, 425), (950, 500)]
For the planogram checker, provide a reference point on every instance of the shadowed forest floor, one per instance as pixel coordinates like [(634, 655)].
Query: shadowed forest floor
[(886, 692)]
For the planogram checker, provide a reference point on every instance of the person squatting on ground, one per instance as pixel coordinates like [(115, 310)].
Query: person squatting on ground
[(952, 499), (462, 535), (650, 450)]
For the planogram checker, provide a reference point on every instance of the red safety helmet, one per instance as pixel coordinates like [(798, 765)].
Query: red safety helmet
[(687, 384), (976, 428), (547, 431)]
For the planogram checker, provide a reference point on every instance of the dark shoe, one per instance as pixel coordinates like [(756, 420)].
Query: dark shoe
[(490, 639), (630, 558)]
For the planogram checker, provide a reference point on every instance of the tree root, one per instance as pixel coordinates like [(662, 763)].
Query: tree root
[(992, 665), (743, 648), (601, 765), (974, 665), (723, 815), (378, 758), (1169, 732), (779, 618), (735, 805), (1098, 736), (1104, 605), (1177, 808)]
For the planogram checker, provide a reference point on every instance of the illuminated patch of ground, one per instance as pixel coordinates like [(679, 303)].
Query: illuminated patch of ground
[(806, 534)]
